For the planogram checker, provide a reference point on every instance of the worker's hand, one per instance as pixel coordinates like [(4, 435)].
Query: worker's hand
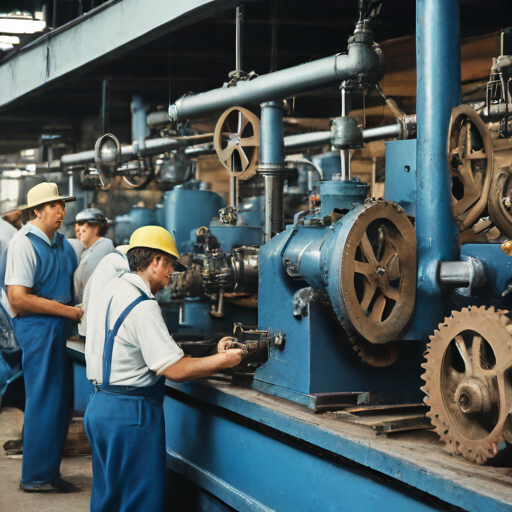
[(76, 314), (225, 343), (232, 356)]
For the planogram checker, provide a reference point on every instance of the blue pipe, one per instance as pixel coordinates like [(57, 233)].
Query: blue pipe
[(438, 91)]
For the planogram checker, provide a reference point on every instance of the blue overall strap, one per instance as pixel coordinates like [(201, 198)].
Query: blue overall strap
[(110, 335)]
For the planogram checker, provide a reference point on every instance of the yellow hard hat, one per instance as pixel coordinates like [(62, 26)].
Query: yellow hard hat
[(155, 237)]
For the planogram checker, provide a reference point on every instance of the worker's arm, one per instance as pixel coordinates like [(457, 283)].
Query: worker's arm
[(190, 368), (22, 299)]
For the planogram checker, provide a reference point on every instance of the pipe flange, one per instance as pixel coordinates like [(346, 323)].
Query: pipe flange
[(273, 169)]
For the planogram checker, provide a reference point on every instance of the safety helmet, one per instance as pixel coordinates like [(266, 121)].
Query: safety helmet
[(91, 215), (155, 237)]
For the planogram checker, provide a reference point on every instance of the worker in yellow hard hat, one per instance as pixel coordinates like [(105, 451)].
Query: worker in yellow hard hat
[(128, 353), (39, 283)]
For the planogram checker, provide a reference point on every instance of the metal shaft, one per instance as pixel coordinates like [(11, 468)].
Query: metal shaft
[(105, 107), (272, 165), (438, 91)]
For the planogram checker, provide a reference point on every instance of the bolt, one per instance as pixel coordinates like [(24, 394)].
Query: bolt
[(380, 271), (464, 400)]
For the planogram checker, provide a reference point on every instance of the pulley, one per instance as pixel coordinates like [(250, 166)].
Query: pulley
[(236, 140), (372, 278)]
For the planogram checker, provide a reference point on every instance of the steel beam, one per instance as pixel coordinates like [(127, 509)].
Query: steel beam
[(100, 35)]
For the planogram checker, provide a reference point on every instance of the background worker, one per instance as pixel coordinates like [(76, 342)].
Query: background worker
[(128, 353), (92, 228), (39, 282)]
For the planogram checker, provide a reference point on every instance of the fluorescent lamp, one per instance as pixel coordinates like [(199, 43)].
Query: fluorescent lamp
[(9, 40), (6, 47), (16, 24)]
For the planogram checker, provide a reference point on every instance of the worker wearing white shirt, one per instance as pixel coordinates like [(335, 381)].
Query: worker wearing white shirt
[(128, 353), (39, 283), (109, 267)]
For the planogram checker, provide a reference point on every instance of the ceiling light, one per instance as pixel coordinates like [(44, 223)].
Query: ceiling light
[(9, 40), (18, 22)]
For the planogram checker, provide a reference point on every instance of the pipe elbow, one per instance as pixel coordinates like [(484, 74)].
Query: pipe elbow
[(365, 63)]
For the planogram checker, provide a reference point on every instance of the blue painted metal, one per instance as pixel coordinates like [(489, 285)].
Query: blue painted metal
[(329, 163), (438, 91), (275, 468), (252, 212), (342, 195), (236, 236), (401, 174), (271, 133), (195, 317), (186, 210), (498, 273), (317, 356), (125, 225)]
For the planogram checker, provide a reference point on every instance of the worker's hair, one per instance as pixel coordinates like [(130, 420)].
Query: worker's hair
[(140, 258), (103, 226)]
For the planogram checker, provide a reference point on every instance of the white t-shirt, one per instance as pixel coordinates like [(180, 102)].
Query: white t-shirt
[(143, 347), (21, 261), (88, 262), (21, 257), (108, 268)]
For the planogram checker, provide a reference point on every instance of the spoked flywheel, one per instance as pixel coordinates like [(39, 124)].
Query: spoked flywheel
[(471, 165), (236, 140), (376, 280), (468, 381)]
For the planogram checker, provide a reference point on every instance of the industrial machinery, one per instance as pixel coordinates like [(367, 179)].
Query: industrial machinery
[(334, 308)]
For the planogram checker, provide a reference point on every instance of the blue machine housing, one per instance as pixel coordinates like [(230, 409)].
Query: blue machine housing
[(187, 209), (138, 217), (317, 356)]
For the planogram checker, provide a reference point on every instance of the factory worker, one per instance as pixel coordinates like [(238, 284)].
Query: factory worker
[(39, 283), (109, 267), (128, 353), (92, 226)]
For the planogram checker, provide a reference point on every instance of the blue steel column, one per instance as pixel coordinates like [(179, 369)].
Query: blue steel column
[(272, 165), (438, 91)]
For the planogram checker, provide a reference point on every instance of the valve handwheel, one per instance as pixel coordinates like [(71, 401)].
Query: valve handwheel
[(236, 140)]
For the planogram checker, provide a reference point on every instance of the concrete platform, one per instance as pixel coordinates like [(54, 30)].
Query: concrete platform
[(74, 469)]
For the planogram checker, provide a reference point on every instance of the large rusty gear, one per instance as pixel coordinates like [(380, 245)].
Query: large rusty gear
[(468, 381), (375, 296)]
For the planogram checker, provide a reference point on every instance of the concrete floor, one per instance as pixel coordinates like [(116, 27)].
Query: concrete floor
[(77, 470)]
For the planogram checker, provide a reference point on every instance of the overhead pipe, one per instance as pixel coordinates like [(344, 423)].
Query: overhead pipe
[(139, 126), (438, 91), (364, 62), (152, 147)]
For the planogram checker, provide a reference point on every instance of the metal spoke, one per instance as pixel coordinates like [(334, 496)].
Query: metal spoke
[(369, 292), (249, 141), (364, 268), (227, 152), (378, 309), (476, 352), (461, 347), (393, 267), (243, 158), (391, 293), (367, 249), (242, 124)]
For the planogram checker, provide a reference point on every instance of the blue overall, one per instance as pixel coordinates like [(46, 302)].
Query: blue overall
[(46, 368), (125, 426)]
